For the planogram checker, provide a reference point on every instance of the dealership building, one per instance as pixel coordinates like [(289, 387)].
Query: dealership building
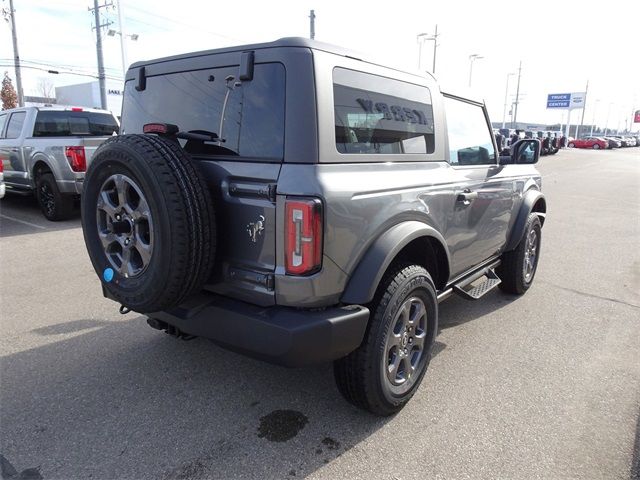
[(88, 95)]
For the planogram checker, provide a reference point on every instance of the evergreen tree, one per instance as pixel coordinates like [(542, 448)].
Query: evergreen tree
[(8, 93)]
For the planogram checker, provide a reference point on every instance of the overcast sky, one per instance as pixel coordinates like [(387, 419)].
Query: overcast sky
[(562, 44)]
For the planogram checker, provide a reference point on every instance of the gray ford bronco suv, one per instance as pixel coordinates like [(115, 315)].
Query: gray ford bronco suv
[(297, 203)]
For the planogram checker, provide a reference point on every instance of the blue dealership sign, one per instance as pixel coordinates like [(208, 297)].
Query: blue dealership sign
[(558, 100)]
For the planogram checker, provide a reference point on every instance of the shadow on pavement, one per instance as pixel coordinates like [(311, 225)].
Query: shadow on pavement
[(21, 215), (457, 311), (120, 400)]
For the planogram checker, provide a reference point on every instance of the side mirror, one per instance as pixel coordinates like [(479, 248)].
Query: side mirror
[(526, 151)]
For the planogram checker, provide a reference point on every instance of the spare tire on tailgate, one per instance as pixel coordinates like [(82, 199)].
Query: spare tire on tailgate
[(148, 222)]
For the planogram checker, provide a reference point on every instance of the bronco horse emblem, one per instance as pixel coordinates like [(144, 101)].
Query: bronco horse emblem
[(255, 229)]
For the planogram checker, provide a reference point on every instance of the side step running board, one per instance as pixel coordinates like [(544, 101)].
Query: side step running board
[(465, 290)]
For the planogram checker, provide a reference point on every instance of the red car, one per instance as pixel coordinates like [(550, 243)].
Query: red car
[(589, 142)]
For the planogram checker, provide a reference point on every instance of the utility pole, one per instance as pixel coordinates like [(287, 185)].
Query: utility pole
[(515, 111), (11, 14), (312, 24), (584, 108), (101, 75)]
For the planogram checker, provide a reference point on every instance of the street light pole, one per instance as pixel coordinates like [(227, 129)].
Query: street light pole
[(122, 47), (506, 93), (472, 58), (515, 112), (423, 37), (593, 120), (435, 47), (606, 127)]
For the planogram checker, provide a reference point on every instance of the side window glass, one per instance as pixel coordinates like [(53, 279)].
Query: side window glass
[(378, 115), (3, 120), (470, 140), (15, 124)]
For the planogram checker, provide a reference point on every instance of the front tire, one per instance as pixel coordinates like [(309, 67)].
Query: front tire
[(571, 145), (596, 146), (54, 205), (518, 267), (384, 373)]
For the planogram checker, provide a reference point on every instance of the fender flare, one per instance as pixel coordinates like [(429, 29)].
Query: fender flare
[(367, 275), (41, 157), (531, 198)]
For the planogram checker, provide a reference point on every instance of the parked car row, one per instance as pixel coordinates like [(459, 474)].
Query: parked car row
[(601, 143), (626, 140), (550, 141)]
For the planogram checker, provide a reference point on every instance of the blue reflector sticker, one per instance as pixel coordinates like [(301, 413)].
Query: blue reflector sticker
[(107, 275)]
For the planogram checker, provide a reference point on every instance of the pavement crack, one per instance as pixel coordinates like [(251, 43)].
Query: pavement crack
[(593, 295)]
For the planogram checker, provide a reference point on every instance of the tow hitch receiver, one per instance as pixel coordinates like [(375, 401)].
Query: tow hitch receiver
[(169, 329)]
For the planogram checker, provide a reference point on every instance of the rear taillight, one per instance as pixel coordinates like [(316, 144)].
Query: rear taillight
[(303, 235), (160, 128), (1, 165), (76, 158)]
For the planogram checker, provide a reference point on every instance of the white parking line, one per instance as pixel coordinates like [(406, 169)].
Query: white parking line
[(22, 221)]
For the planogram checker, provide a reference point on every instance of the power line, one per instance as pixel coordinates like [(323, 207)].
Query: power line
[(68, 68), (58, 65), (172, 20), (57, 72)]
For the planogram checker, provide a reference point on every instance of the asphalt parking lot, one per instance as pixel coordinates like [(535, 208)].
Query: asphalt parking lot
[(542, 386)]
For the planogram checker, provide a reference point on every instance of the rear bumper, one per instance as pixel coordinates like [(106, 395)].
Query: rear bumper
[(73, 186), (282, 335)]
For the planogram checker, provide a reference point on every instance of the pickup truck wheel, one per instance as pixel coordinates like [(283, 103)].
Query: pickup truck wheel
[(54, 205), (383, 374), (518, 267), (148, 222)]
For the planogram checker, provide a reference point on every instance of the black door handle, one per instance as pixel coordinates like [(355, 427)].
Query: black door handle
[(466, 197)]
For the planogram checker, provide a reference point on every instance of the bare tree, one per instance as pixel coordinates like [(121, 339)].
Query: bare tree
[(45, 88)]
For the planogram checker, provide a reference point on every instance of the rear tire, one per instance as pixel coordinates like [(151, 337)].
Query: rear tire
[(54, 205), (596, 146), (384, 373), (148, 222), (571, 145), (518, 267)]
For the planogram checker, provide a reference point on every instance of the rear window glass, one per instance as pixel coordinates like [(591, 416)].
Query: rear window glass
[(3, 120), (62, 123), (248, 116), (377, 115)]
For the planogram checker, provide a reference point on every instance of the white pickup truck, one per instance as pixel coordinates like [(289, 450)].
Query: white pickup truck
[(46, 151)]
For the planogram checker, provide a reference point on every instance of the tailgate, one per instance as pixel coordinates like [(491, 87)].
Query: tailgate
[(245, 207), (90, 145)]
